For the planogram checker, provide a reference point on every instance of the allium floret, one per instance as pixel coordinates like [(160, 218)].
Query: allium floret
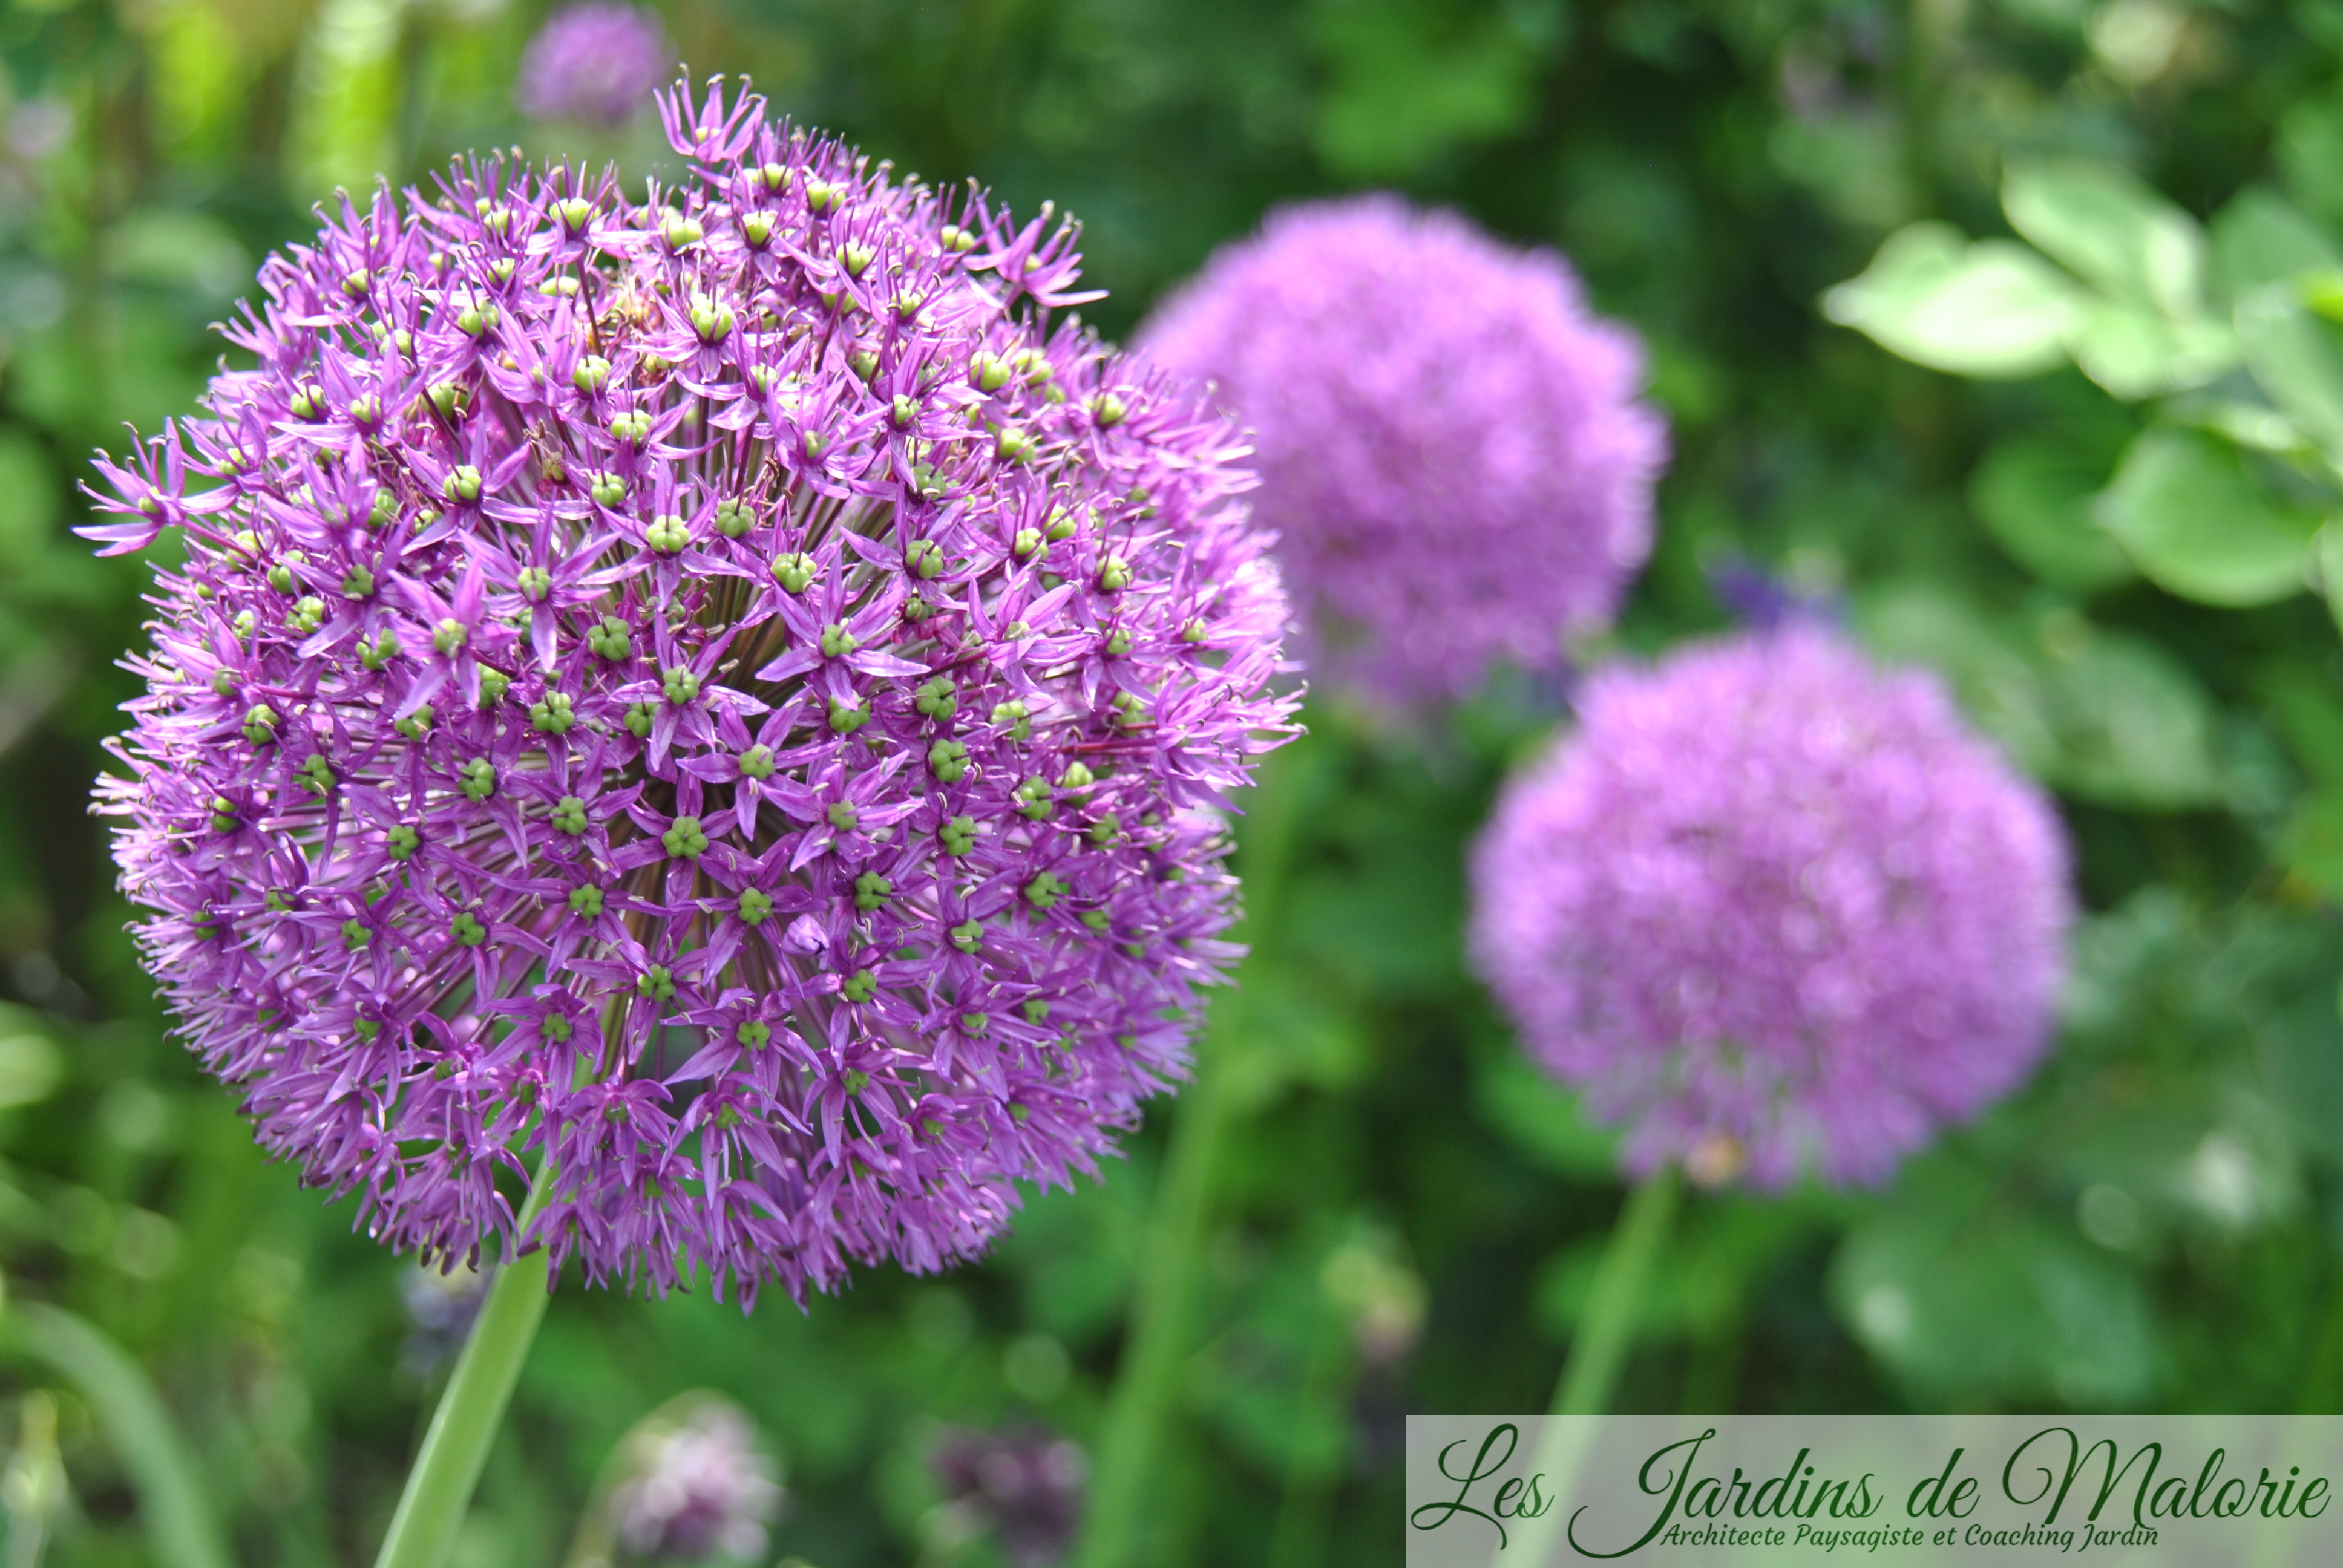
[(1776, 910), (580, 731), (1450, 443)]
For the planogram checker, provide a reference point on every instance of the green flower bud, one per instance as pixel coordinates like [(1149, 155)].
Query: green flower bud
[(904, 412), (494, 684), (574, 214), (463, 486), (316, 774), (848, 714), (989, 372), (1014, 714), (1194, 632), (1044, 891), (1118, 642), (957, 239), (1038, 798), (710, 321), (355, 937), (1113, 574), (667, 535), (758, 762), (685, 840), (385, 512), (467, 928), (474, 320), (378, 654), (1026, 542), (500, 272), (1106, 830), (632, 426), (359, 583), (656, 982), (307, 614), (1076, 777), (308, 402), (823, 198), (948, 760), (916, 608), (937, 697), (733, 519), (757, 229), (871, 890), (861, 986), (966, 935), (611, 641), (416, 723), (681, 234), (449, 636), (863, 363), (795, 571), (756, 907), (569, 815), (1014, 446), (223, 682), (553, 715), (837, 642), (224, 814), (477, 779), (680, 684), (280, 575), (400, 841), (586, 901), (1107, 410), (260, 724), (958, 834), (754, 1034), (591, 374), (927, 559), (608, 489), (640, 717)]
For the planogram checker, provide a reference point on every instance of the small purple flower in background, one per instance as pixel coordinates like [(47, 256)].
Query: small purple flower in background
[(441, 1304), (1022, 1485), (595, 61), (1776, 910), (694, 1487), (732, 694), (1449, 444)]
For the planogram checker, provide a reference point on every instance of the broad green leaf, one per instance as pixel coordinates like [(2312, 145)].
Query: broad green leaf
[(2110, 228), (2297, 356), (2136, 352), (2261, 237), (2033, 493), (2196, 525), (2099, 715), (2131, 728), (1987, 309), (2309, 148), (1971, 1299)]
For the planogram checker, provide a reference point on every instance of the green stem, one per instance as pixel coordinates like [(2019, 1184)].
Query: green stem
[(1144, 1383), (1596, 1352), (1601, 1343), (1139, 1411), (448, 1468)]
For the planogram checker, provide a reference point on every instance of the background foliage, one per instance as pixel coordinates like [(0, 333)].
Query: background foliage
[(2110, 535)]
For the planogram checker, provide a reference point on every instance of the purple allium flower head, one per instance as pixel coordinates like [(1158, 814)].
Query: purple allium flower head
[(595, 61), (1776, 907), (1022, 1485), (695, 1487), (731, 694), (1449, 444)]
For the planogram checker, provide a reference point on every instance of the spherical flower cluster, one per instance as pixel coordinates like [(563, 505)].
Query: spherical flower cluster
[(728, 692), (696, 1487), (1449, 444), (595, 61), (1775, 909)]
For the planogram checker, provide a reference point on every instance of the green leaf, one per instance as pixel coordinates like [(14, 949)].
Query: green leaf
[(2136, 352), (173, 1502), (1541, 1119), (1987, 309), (2296, 357), (1969, 1302), (2110, 228), (2327, 557), (2196, 525), (2033, 493), (2260, 238)]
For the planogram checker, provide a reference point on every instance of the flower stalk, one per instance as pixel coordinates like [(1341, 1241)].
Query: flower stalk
[(472, 1407)]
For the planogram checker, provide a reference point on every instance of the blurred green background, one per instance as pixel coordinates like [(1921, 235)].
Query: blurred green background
[(1407, 1217)]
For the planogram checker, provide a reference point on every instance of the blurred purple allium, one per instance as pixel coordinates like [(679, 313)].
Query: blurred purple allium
[(695, 1488), (595, 61), (733, 695), (1449, 443), (1022, 1485), (1775, 909)]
